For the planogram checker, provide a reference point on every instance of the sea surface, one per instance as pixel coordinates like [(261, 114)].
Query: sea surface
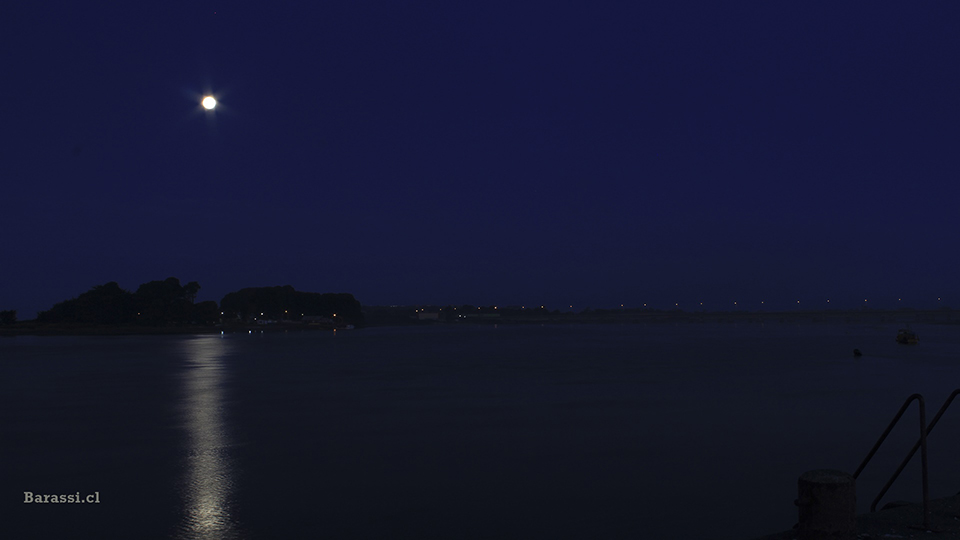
[(654, 431)]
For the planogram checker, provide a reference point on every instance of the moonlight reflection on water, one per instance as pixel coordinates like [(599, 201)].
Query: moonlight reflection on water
[(208, 484), (556, 431)]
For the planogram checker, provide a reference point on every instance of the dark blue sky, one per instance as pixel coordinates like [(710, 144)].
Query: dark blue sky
[(489, 153)]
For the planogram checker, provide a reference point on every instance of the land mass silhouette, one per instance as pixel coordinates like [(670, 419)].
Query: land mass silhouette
[(169, 307)]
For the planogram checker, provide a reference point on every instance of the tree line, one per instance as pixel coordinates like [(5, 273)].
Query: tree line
[(154, 303), (287, 304), (168, 302)]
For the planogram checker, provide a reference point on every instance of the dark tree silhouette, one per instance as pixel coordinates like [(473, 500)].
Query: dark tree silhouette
[(167, 302), (155, 303), (285, 303), (103, 304), (206, 313), (8, 316), (163, 302)]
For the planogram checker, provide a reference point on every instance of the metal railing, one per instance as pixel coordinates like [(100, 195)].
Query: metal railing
[(914, 449), (923, 456), (921, 444)]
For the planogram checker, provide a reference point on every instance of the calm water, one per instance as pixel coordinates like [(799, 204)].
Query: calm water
[(645, 431)]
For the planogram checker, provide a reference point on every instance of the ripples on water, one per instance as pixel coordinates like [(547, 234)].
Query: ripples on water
[(209, 483), (660, 431)]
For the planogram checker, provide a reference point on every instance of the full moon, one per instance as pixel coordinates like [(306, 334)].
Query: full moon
[(209, 103)]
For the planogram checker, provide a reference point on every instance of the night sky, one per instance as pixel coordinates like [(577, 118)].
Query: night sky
[(561, 153)]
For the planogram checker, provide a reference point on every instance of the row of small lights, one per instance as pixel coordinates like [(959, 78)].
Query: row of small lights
[(798, 301), (571, 306), (261, 313), (494, 307), (645, 305)]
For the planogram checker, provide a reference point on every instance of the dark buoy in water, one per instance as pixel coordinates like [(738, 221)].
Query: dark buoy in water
[(857, 353)]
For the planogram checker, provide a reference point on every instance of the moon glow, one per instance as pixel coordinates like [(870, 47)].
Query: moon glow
[(209, 103)]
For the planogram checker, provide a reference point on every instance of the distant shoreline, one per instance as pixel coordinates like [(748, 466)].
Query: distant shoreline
[(902, 317), (22, 329), (405, 315)]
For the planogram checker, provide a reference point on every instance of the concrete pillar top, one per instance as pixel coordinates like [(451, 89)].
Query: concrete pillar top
[(826, 476)]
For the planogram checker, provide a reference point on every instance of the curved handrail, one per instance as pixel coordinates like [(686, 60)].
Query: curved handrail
[(913, 451), (923, 455)]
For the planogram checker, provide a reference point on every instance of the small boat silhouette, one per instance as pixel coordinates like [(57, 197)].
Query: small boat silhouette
[(907, 337)]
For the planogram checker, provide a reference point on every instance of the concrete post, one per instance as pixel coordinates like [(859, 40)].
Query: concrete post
[(827, 505)]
